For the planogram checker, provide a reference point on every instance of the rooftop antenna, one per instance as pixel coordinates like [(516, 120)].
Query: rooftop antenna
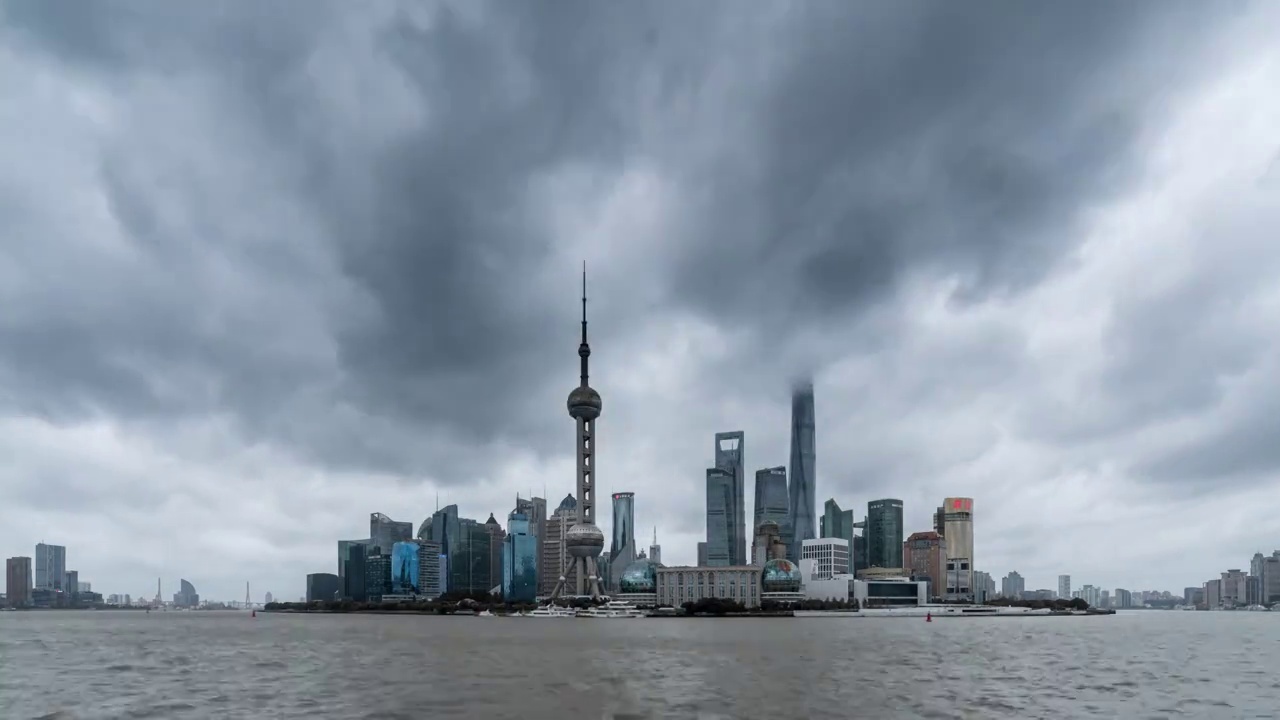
[(437, 501)]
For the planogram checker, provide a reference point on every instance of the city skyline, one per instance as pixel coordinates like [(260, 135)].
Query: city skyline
[(242, 316)]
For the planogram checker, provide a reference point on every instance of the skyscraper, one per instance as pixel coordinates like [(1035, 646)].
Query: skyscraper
[(497, 537), (958, 541), (730, 456), (385, 532), (1013, 585), (469, 559), (51, 566), (556, 565), (719, 510), (803, 482), (771, 498), (405, 568), (188, 597), (984, 587), (351, 577), (884, 533), (836, 523), (655, 550), (584, 541), (17, 573), (1064, 587), (344, 556), (535, 509), (622, 552), (444, 527), (519, 561), (430, 564)]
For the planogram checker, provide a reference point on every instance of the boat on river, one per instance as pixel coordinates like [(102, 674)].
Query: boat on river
[(612, 610), (552, 611)]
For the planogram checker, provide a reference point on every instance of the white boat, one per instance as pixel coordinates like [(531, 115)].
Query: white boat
[(933, 612), (484, 613), (612, 610), (553, 611)]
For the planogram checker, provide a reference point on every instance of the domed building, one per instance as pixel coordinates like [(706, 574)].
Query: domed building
[(781, 581), (639, 582)]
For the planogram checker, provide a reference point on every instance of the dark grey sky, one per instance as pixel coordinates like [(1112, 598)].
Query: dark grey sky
[(267, 267)]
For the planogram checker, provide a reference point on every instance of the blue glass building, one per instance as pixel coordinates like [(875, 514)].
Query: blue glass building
[(404, 568), (519, 561)]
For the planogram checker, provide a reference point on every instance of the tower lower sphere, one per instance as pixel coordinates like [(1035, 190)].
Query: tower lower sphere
[(584, 543)]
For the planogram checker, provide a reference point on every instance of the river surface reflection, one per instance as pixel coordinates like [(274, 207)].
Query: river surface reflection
[(225, 665)]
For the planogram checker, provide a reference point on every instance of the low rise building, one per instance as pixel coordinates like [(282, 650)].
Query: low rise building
[(322, 586), (678, 585), (891, 592)]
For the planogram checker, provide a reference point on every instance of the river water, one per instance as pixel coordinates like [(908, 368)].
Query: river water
[(1142, 664)]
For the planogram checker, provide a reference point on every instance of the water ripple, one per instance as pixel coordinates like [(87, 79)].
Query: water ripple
[(112, 665)]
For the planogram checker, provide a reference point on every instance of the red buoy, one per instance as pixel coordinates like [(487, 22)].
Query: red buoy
[(928, 617), (255, 614)]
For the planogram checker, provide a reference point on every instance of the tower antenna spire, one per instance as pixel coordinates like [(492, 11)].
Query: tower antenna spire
[(584, 350)]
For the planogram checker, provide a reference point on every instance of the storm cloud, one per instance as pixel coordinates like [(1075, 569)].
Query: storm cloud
[(266, 268)]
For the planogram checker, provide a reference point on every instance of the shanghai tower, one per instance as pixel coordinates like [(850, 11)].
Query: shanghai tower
[(802, 505)]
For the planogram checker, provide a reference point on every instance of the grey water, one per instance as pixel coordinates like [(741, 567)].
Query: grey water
[(1142, 664)]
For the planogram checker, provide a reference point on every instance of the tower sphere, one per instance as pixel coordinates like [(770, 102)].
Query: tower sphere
[(584, 540), (584, 403)]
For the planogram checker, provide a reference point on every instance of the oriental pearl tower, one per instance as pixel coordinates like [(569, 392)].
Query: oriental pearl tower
[(584, 541)]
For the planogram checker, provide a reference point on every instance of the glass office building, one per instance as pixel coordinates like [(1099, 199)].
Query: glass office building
[(352, 577), (730, 454), (404, 568), (719, 512), (519, 561), (623, 550), (884, 533), (377, 576), (469, 560)]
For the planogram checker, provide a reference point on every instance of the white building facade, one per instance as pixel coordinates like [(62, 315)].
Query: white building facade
[(681, 584), (830, 556)]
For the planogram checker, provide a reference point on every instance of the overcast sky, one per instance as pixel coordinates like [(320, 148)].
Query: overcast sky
[(266, 268)]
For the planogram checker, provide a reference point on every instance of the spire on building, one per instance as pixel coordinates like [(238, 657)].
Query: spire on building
[(584, 350)]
